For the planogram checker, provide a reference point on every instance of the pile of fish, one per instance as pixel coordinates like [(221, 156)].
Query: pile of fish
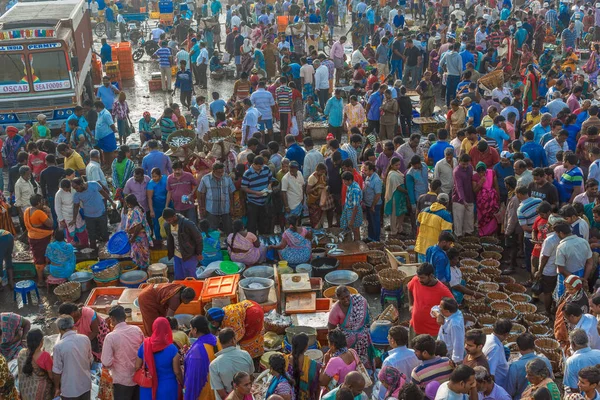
[(270, 240), (180, 141)]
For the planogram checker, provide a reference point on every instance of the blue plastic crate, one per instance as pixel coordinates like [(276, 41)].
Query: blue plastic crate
[(165, 7)]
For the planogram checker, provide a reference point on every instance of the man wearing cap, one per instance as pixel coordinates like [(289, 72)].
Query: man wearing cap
[(431, 222)]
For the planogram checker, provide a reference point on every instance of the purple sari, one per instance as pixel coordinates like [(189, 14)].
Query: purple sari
[(196, 365), (487, 205)]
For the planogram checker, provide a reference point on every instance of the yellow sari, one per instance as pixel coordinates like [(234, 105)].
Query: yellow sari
[(246, 318)]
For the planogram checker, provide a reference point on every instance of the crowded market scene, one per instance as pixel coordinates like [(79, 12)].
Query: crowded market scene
[(299, 200)]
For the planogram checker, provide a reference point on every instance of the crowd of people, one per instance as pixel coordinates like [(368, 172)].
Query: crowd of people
[(518, 158)]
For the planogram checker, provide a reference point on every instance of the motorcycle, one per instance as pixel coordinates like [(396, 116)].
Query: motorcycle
[(145, 46)]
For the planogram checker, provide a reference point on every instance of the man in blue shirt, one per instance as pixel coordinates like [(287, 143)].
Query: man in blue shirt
[(217, 105), (497, 133), (467, 56), (372, 190), (91, 196), (334, 110), (294, 152), (105, 52), (106, 93), (265, 104), (255, 181), (516, 381), (542, 127), (436, 256), (536, 152), (474, 111), (436, 151), (292, 71), (156, 159), (582, 356), (520, 35), (569, 37), (373, 105), (109, 16), (183, 82), (194, 53), (105, 132)]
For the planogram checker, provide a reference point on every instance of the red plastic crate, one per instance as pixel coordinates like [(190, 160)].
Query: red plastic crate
[(193, 307), (154, 86), (347, 261)]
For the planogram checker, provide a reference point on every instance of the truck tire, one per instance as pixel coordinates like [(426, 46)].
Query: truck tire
[(100, 29)]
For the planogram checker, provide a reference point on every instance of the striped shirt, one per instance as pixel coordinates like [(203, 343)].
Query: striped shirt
[(435, 369), (257, 181), (284, 99), (568, 182), (526, 213), (164, 56), (552, 18)]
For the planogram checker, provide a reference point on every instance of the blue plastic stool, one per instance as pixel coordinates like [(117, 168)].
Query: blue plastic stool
[(24, 287), (391, 295)]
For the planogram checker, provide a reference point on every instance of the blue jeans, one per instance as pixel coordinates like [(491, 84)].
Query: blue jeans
[(396, 68), (451, 84), (374, 219)]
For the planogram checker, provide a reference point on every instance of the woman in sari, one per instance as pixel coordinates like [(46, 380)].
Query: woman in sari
[(6, 222), (246, 318), (352, 216), (295, 246), (162, 301), (538, 35), (297, 108), (122, 169), (246, 51), (63, 206), (539, 376), (244, 246), (456, 119), (38, 223), (237, 115), (88, 323), (138, 231), (60, 256), (35, 369), (395, 204), (592, 67), (242, 387), (351, 315), (156, 191), (527, 57), (8, 391), (531, 85), (13, 144), (485, 186), (569, 60), (574, 293), (303, 369), (197, 361), (281, 383), (426, 95), (13, 328), (238, 206), (161, 357), (316, 188), (392, 380)]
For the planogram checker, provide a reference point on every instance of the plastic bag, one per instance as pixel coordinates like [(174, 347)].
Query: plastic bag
[(226, 57), (294, 129)]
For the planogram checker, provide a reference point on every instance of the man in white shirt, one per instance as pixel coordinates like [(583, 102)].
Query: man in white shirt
[(321, 82), (494, 350), (183, 55), (443, 170), (93, 6), (461, 383), (235, 20), (307, 74), (93, 171), (481, 37), (312, 158), (358, 58), (157, 32), (577, 319), (452, 331), (292, 187)]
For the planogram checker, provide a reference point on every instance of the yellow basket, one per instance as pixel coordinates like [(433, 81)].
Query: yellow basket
[(156, 255), (85, 266), (154, 15)]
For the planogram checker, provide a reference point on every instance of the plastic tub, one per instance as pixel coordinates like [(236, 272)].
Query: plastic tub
[(260, 271), (259, 295), (133, 279), (330, 292), (322, 266), (341, 278), (304, 268), (118, 243)]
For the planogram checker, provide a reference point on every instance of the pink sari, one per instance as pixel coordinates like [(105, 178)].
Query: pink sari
[(245, 252), (84, 327), (487, 205)]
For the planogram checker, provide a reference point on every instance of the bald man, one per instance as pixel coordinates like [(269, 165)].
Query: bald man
[(353, 381)]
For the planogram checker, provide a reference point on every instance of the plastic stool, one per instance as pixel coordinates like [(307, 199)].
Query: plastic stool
[(391, 295), (24, 287)]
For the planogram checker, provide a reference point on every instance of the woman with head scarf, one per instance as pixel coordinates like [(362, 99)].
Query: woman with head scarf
[(39, 129), (120, 112), (13, 144), (574, 293), (198, 359), (246, 50), (246, 318), (160, 356), (392, 380), (487, 197), (13, 329)]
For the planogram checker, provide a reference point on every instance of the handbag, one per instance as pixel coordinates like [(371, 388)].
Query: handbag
[(113, 217), (143, 377), (362, 370)]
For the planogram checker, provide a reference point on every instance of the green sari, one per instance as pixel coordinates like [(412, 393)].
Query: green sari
[(395, 200)]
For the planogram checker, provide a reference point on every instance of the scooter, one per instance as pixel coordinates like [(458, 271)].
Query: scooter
[(145, 46)]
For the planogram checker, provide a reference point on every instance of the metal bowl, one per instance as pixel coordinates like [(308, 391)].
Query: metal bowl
[(341, 278), (85, 278), (260, 271)]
